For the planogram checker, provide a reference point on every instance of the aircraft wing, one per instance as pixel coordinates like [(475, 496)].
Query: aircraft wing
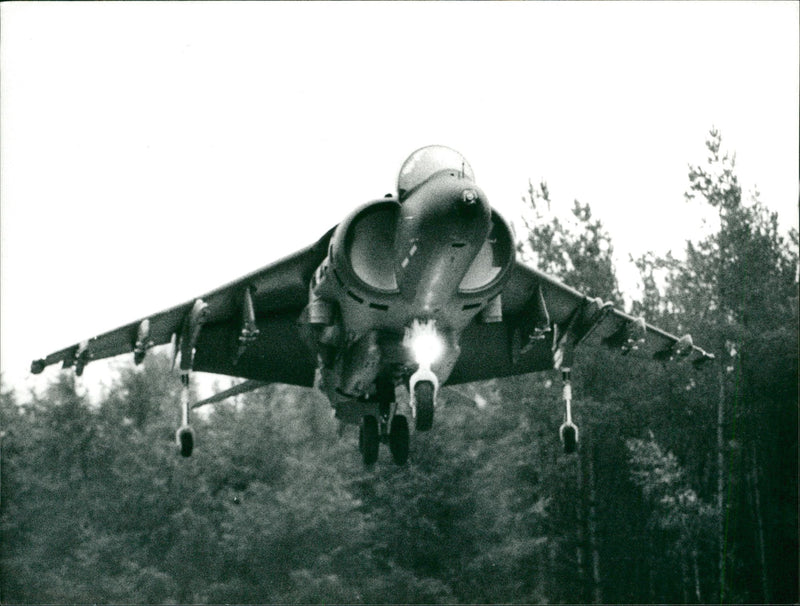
[(268, 300), (544, 318)]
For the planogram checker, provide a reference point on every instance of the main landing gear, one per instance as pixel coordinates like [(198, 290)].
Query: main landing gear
[(372, 433), (568, 432), (386, 428), (369, 439), (399, 439)]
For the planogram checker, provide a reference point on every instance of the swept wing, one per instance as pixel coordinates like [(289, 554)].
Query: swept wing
[(251, 322), (543, 318)]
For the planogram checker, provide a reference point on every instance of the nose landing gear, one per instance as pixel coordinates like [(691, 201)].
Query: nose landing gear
[(423, 398), (423, 386)]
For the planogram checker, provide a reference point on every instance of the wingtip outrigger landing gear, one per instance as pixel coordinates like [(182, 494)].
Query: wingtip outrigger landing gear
[(184, 437), (563, 355), (185, 345), (568, 432)]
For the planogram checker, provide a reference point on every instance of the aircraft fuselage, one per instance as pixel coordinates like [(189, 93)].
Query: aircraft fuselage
[(402, 279)]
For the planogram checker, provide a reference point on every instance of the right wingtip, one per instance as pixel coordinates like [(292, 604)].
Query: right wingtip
[(705, 358)]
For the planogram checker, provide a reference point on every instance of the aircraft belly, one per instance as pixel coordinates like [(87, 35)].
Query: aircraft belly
[(277, 355)]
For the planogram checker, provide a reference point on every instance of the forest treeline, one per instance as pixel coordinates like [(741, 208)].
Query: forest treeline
[(684, 488)]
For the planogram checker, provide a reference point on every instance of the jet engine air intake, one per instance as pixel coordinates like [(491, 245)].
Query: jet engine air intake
[(368, 245)]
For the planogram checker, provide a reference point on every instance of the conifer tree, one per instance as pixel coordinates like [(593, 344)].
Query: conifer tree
[(737, 291)]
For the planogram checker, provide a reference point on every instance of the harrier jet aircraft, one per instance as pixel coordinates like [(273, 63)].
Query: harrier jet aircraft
[(419, 290)]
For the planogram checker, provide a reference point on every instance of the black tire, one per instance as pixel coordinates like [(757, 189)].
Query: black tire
[(423, 395), (186, 439), (399, 440), (570, 437), (370, 441)]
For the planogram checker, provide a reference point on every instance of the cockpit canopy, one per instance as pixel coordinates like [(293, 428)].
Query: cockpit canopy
[(428, 161)]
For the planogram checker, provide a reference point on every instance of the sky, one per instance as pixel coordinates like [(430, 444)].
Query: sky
[(151, 152)]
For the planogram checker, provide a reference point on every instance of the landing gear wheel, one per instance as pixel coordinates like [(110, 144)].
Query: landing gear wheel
[(569, 435), (186, 441), (399, 440), (423, 396), (369, 440)]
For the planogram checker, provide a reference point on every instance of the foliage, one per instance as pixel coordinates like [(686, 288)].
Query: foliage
[(737, 291), (576, 248)]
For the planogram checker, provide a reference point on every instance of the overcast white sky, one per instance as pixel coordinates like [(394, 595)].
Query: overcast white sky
[(153, 151)]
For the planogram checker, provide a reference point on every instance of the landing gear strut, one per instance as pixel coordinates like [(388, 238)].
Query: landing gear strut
[(192, 325), (568, 431)]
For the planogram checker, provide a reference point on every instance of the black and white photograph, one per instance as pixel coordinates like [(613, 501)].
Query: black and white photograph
[(399, 302)]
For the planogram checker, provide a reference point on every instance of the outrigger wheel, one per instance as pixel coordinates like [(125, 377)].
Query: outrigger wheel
[(186, 441), (569, 436)]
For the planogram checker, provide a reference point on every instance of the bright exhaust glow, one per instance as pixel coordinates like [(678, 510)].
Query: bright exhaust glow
[(425, 342)]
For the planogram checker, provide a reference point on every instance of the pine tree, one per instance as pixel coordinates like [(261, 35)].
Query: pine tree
[(576, 248), (736, 290)]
